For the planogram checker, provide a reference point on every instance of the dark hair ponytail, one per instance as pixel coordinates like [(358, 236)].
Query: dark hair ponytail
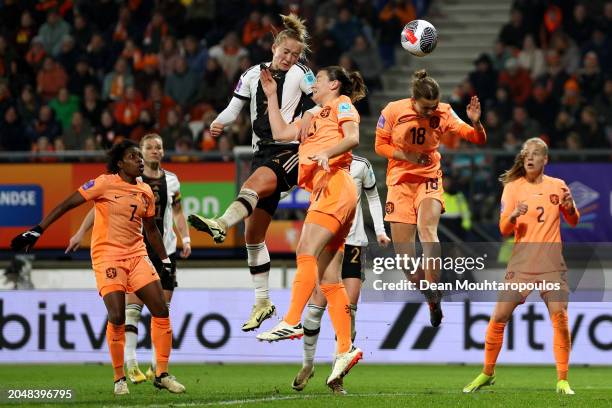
[(351, 84)]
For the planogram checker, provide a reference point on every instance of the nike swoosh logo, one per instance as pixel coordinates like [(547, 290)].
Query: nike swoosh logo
[(116, 197)]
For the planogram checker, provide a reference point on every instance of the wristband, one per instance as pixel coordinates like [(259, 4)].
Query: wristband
[(186, 240)]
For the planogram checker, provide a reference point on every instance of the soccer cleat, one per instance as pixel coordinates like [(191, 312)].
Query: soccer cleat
[(301, 379), (262, 309), (337, 387), (121, 387), (135, 375), (343, 364), (435, 313), (563, 387), (481, 381), (150, 374), (282, 331), (169, 382), (208, 225)]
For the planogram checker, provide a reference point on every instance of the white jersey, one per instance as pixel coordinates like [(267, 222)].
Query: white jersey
[(363, 175), (166, 190), (294, 93)]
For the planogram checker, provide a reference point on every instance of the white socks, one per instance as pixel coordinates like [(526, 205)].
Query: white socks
[(312, 327), (240, 208), (132, 317), (259, 265)]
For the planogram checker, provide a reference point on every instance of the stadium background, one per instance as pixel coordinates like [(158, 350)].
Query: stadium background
[(77, 76)]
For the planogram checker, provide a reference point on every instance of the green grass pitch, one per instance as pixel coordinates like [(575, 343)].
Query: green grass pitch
[(368, 385)]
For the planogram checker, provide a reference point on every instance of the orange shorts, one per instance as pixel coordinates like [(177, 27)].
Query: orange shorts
[(403, 200), (126, 275), (332, 205), (556, 278)]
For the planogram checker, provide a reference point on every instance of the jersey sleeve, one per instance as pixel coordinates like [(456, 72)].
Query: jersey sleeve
[(307, 82), (508, 202), (369, 179), (456, 128), (95, 188), (345, 111), (150, 198), (243, 88), (384, 126)]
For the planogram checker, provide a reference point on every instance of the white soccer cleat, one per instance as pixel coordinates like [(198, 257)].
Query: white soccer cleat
[(262, 309), (135, 375), (208, 225), (301, 379), (169, 383), (343, 364), (282, 331), (121, 387)]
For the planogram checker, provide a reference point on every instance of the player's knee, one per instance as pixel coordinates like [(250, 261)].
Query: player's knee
[(253, 235), (160, 310), (428, 233), (116, 316)]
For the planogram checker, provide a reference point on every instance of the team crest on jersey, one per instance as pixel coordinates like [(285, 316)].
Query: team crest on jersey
[(434, 122), (554, 199), (381, 122), (509, 275), (89, 184), (325, 112), (111, 273), (389, 207)]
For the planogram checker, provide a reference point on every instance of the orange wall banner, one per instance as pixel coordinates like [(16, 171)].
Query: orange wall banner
[(30, 191)]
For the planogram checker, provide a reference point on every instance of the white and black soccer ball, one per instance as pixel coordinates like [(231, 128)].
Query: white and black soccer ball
[(419, 37)]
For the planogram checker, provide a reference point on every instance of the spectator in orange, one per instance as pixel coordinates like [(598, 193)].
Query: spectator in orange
[(517, 80), (155, 31), (228, 53), (402, 9), (36, 54), (127, 109), (50, 79), (159, 104), (117, 81), (253, 29)]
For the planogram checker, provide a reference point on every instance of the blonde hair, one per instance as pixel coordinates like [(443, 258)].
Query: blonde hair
[(150, 136), (424, 86), (518, 168), (295, 29)]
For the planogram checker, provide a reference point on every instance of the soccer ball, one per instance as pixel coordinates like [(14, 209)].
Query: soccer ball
[(419, 37)]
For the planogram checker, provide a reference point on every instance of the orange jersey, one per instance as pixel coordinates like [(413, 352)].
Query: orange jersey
[(537, 234), (120, 208), (543, 219), (401, 128), (325, 132)]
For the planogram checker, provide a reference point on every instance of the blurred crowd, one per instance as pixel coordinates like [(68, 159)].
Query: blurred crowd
[(549, 75), (85, 74)]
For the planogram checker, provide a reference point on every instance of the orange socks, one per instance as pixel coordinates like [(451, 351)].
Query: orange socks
[(561, 343), (115, 337), (303, 285), (493, 344), (161, 335), (338, 306)]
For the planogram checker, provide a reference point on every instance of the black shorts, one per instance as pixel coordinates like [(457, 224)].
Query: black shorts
[(167, 280), (353, 262), (283, 161)]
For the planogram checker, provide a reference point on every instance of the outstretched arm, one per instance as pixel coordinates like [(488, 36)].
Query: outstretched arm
[(280, 129), (75, 240), (25, 241)]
